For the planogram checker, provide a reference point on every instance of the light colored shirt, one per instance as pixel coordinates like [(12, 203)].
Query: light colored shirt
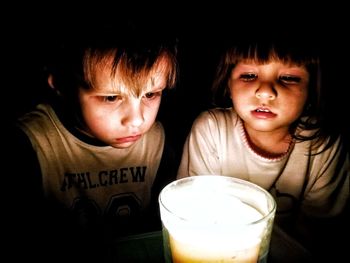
[(106, 180), (316, 185)]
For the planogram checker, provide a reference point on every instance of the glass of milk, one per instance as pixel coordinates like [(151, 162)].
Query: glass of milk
[(214, 218)]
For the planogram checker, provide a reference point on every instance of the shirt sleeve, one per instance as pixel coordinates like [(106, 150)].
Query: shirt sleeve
[(200, 155), (322, 225), (26, 173), (25, 205), (328, 187)]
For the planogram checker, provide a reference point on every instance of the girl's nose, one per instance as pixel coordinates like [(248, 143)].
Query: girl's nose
[(266, 91)]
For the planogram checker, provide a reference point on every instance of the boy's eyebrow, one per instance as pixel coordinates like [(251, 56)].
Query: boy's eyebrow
[(155, 89), (107, 93), (126, 91)]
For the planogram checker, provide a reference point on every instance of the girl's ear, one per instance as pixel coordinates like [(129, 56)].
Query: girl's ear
[(50, 81)]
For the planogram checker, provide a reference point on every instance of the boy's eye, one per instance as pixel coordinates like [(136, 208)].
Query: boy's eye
[(151, 95), (248, 76), (111, 98), (290, 79)]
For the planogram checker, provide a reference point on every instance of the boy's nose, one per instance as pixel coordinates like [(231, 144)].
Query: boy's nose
[(133, 116)]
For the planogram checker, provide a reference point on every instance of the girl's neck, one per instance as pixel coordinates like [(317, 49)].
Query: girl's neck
[(268, 145)]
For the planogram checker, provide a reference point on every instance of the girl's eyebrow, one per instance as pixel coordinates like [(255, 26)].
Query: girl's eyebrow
[(246, 65)]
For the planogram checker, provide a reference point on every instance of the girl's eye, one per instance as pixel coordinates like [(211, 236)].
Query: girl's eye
[(248, 77), (287, 79)]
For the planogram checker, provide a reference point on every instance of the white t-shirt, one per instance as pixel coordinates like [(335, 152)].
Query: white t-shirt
[(93, 180), (315, 185)]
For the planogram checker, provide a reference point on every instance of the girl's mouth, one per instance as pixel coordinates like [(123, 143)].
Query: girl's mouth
[(263, 113)]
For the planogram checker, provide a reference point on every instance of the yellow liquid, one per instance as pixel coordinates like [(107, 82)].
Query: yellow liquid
[(209, 223), (191, 254), (224, 241)]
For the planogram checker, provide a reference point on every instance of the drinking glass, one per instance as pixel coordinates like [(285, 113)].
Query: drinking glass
[(214, 218)]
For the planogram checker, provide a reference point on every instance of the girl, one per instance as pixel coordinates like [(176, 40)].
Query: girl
[(270, 130)]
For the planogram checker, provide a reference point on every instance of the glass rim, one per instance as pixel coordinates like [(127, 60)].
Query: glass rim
[(245, 183)]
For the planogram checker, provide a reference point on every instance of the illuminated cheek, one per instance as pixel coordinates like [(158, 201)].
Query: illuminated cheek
[(150, 115), (239, 103), (100, 122), (237, 93), (152, 109)]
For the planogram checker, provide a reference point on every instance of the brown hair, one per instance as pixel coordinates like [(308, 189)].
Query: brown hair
[(263, 50)]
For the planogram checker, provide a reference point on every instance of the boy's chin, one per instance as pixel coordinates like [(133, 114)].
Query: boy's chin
[(123, 145)]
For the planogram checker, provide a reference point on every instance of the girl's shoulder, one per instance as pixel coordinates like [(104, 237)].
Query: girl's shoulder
[(219, 116), (216, 121)]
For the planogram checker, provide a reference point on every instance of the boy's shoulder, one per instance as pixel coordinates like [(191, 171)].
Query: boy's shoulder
[(41, 111), (42, 117)]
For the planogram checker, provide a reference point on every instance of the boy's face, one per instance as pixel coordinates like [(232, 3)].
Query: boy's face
[(119, 119), (268, 97)]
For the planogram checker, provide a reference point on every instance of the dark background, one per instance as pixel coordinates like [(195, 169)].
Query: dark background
[(31, 33)]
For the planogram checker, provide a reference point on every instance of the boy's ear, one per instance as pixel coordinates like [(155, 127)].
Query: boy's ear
[(50, 81)]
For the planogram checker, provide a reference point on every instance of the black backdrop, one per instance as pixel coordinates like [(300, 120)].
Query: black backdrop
[(31, 33)]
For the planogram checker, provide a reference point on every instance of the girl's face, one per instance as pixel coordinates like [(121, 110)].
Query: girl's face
[(268, 97), (119, 120)]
